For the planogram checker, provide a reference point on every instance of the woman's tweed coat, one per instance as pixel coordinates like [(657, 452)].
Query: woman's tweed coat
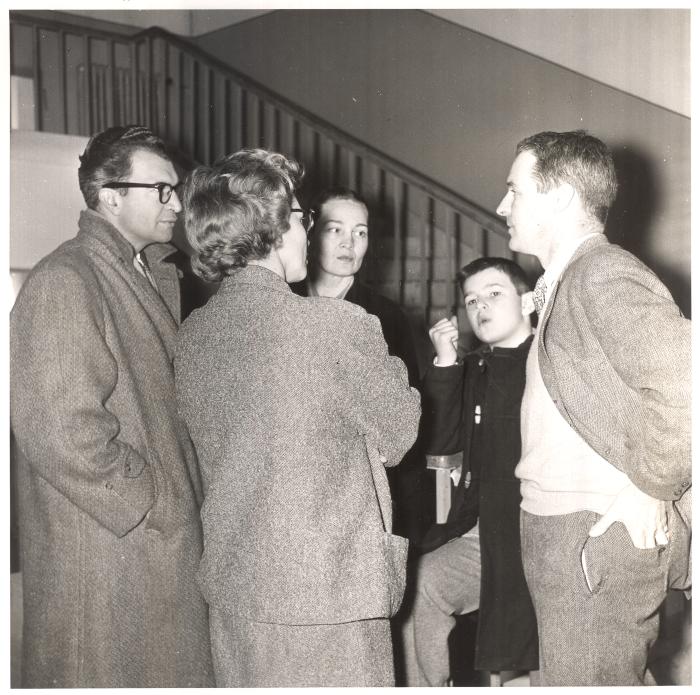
[(109, 490), (284, 397)]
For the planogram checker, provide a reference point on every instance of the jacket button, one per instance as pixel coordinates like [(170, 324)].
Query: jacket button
[(108, 486)]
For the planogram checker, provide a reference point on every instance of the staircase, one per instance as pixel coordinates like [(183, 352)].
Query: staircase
[(83, 80)]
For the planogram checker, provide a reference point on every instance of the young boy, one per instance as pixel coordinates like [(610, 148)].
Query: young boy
[(472, 413)]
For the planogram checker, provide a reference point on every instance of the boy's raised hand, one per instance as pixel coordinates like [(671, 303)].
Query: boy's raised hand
[(444, 336)]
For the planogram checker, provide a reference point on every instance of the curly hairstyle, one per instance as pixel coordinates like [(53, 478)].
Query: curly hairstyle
[(107, 157), (238, 209), (576, 158)]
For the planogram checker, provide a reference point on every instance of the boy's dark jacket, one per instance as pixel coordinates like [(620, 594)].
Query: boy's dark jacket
[(494, 380)]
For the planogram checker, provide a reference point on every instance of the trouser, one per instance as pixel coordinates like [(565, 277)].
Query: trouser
[(252, 654), (448, 583), (596, 599)]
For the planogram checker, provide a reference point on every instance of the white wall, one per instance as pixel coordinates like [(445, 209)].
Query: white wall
[(598, 43), (45, 200)]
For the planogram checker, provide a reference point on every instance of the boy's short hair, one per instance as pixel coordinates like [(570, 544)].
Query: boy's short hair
[(505, 265)]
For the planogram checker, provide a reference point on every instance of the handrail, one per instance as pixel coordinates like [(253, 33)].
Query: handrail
[(415, 178), (429, 186)]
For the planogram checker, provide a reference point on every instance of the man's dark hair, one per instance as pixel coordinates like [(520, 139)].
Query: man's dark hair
[(510, 268), (107, 157), (576, 158)]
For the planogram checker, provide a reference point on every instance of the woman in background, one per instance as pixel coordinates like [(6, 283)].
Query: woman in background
[(293, 405), (338, 244)]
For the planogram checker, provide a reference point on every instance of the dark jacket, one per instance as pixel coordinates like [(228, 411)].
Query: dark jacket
[(488, 491), (109, 486)]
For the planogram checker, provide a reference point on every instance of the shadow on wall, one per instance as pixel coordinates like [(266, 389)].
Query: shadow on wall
[(631, 218)]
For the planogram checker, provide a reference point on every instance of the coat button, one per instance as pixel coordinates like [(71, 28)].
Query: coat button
[(108, 486)]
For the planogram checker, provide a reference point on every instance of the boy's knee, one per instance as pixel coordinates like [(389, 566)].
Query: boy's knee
[(428, 574)]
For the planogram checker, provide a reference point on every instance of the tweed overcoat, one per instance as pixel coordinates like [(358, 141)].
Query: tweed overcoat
[(110, 536), (407, 480), (615, 355), (286, 398)]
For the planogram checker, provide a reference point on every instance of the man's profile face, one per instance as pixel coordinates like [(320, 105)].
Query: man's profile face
[(528, 212), (143, 219)]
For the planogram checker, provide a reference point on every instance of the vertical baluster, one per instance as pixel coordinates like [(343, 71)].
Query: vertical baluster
[(164, 103), (268, 125), (88, 85), (112, 84), (134, 110), (250, 119), (457, 264), (62, 78), (296, 139), (449, 262), (286, 134), (38, 101), (261, 117), (237, 120), (189, 102), (173, 95), (220, 112), (277, 129), (352, 169), (206, 105), (149, 97), (227, 125), (400, 196), (427, 246), (196, 120)]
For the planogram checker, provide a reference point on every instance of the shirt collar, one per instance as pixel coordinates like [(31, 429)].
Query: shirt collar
[(561, 259)]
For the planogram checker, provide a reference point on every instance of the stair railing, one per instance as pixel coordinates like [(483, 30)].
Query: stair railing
[(86, 79)]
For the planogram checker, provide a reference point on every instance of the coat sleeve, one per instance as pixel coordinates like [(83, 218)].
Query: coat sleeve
[(386, 408), (442, 428), (62, 375), (647, 342)]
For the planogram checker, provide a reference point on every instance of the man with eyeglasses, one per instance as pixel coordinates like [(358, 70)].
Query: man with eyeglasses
[(109, 488)]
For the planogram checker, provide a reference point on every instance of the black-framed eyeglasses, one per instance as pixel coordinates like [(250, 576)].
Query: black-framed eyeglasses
[(307, 217), (165, 190)]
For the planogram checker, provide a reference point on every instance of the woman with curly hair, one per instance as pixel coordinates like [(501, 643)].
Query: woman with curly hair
[(294, 407)]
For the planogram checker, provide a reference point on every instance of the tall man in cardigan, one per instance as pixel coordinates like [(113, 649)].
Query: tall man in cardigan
[(110, 537), (605, 422)]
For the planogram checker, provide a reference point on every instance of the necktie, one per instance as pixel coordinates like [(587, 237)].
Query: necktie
[(539, 294), (142, 262)]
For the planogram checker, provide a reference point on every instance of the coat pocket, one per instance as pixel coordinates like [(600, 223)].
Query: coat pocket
[(395, 550)]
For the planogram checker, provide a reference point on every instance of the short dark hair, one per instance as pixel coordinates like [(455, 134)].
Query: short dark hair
[(336, 193), (510, 268), (576, 158), (108, 156), (238, 209)]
